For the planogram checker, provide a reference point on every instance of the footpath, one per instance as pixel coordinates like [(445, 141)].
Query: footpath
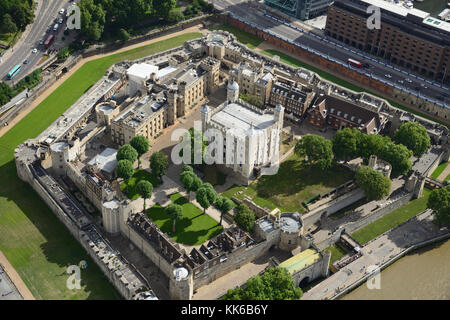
[(15, 278)]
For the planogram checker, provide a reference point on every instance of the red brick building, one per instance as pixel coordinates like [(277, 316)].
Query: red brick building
[(409, 38), (340, 114)]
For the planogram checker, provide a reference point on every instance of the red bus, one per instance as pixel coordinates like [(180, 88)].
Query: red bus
[(355, 63), (49, 41)]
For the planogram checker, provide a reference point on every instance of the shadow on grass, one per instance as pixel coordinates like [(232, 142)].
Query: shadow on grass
[(59, 248), (295, 176)]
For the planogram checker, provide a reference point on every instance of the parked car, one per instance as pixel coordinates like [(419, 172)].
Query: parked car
[(34, 50), (400, 81), (61, 20), (408, 80), (61, 11)]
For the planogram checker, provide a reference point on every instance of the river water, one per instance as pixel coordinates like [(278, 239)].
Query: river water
[(423, 274)]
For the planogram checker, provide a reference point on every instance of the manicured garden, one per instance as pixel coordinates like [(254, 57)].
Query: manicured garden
[(295, 182), (193, 229), (39, 246), (392, 219), (139, 175)]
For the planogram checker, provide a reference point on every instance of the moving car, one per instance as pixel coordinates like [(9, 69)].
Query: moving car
[(61, 11), (26, 61), (387, 75), (34, 50)]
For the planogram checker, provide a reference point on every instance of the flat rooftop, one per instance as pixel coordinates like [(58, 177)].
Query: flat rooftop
[(106, 160), (240, 119), (77, 111), (301, 261)]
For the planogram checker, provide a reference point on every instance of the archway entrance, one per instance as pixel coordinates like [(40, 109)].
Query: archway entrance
[(304, 282)]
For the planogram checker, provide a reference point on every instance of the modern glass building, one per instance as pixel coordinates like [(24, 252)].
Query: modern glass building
[(300, 9)]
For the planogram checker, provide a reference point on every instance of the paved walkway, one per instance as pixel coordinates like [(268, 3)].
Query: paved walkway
[(378, 252), (14, 276)]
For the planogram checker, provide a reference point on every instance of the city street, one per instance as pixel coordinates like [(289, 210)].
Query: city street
[(335, 50), (44, 21)]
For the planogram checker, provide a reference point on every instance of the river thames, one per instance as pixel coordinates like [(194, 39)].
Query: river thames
[(423, 274)]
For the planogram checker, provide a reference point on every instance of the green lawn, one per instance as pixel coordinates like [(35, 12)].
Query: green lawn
[(295, 182), (195, 228), (32, 238), (139, 175), (436, 173), (336, 253), (243, 37), (392, 219), (328, 76)]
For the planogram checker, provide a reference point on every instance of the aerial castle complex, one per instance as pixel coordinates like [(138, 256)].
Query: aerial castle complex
[(71, 165)]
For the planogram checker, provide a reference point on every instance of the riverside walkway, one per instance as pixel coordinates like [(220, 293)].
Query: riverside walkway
[(379, 252)]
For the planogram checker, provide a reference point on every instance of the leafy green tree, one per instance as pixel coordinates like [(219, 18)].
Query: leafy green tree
[(64, 53), (274, 284), (175, 212), (196, 184), (163, 7), (8, 25), (93, 19), (414, 136), (187, 180), (123, 35), (125, 170), (398, 156), (244, 217), (21, 14), (141, 145), (127, 152), (224, 205), (206, 196), (159, 164), (145, 189), (374, 183), (317, 149), (175, 15), (345, 144), (371, 144), (188, 168), (439, 202)]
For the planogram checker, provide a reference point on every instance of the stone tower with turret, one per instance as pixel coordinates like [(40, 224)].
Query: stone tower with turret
[(232, 92), (172, 100)]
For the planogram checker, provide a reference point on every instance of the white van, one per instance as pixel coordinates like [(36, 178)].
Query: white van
[(55, 27)]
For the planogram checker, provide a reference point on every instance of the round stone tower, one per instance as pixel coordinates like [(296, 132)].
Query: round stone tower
[(181, 286), (232, 92)]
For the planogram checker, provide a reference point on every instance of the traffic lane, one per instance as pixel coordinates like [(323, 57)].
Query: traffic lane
[(341, 54), (45, 18)]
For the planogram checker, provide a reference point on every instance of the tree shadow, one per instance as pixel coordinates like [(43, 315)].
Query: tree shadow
[(295, 176)]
